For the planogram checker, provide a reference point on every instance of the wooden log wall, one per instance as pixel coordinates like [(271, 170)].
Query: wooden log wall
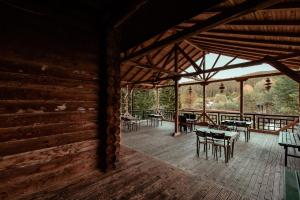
[(48, 131), (49, 97), (53, 76)]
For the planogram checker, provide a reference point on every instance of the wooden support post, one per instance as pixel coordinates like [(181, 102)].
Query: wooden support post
[(176, 120), (241, 100), (109, 100), (176, 85), (157, 100), (299, 104), (204, 103), (132, 100)]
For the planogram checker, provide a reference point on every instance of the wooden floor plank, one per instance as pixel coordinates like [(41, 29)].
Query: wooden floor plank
[(155, 165), (256, 170)]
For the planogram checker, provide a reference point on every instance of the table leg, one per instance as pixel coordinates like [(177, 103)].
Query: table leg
[(285, 155), (247, 134), (232, 148)]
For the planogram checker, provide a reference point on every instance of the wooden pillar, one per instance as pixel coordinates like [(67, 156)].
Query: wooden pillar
[(108, 118), (241, 100), (299, 104), (132, 100), (157, 100), (176, 85), (176, 120), (204, 102)]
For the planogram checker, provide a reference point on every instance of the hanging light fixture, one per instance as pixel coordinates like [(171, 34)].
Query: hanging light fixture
[(221, 87), (268, 84)]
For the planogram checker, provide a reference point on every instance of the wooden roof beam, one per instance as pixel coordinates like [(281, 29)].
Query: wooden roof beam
[(235, 78), (240, 65), (151, 67), (251, 47), (248, 41), (247, 23), (283, 68), (246, 34), (196, 67), (222, 18), (253, 63), (243, 53)]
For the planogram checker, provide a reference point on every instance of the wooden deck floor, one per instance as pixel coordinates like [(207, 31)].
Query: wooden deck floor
[(138, 177), (256, 171)]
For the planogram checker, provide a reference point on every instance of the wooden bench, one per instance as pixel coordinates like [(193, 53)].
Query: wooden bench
[(289, 140), (292, 184)]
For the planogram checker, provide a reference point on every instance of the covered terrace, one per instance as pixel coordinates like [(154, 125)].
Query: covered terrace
[(63, 63)]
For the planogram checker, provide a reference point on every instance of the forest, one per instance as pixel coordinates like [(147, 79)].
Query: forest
[(281, 98)]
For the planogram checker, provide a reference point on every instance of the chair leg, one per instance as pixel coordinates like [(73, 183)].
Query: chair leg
[(220, 151), (206, 150), (225, 154), (197, 146)]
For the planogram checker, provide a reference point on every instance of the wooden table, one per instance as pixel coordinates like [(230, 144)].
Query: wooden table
[(229, 135), (132, 123), (289, 140), (154, 119), (237, 123)]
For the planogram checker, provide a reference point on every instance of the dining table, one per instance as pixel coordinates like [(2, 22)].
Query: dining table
[(231, 136), (239, 123), (154, 119)]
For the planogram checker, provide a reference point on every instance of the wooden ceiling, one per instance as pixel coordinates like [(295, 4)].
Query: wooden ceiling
[(233, 28)]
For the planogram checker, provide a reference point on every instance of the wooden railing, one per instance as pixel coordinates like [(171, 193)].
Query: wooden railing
[(261, 122)]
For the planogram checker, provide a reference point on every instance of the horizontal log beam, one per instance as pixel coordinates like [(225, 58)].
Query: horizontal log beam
[(222, 18), (235, 78)]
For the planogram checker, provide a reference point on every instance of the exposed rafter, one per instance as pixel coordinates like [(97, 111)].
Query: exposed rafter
[(222, 18), (283, 68), (240, 65), (196, 67), (244, 53), (213, 74), (235, 78), (253, 63), (257, 42)]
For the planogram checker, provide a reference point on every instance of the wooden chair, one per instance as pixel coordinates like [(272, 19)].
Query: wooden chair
[(213, 126), (224, 128), (292, 184), (203, 138), (241, 127), (184, 124), (219, 142)]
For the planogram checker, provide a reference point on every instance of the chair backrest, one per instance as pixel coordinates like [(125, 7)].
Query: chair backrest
[(242, 124), (201, 133), (192, 116), (212, 126), (187, 115), (218, 136), (182, 118), (224, 128)]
